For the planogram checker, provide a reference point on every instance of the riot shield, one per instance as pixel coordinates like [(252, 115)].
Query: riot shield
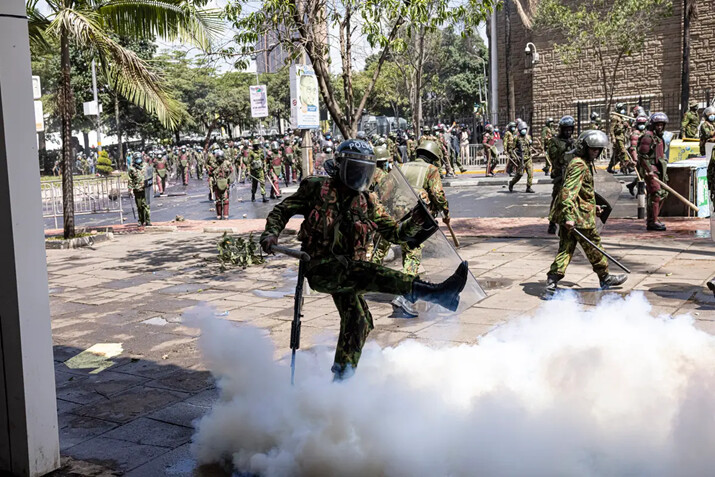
[(148, 183), (439, 258), (609, 188)]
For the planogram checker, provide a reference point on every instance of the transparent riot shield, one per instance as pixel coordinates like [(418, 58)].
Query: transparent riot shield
[(609, 188), (439, 258), (148, 183)]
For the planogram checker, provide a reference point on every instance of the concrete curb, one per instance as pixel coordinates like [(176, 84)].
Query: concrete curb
[(219, 230), (160, 228), (78, 242), (488, 182)]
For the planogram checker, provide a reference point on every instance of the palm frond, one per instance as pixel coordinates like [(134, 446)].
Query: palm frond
[(37, 25), (173, 20), (129, 74)]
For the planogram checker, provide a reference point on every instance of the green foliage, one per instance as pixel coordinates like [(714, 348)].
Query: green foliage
[(104, 164), (620, 26), (238, 251)]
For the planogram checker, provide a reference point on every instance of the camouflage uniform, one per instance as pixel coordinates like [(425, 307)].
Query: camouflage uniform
[(221, 186), (289, 164), (619, 129), (546, 134), (523, 154), (274, 165), (183, 167), (255, 162), (651, 158), (689, 125), (137, 178), (577, 202), (558, 147), (509, 145), (490, 151), (411, 149), (161, 171), (445, 167), (707, 134), (211, 164), (336, 232), (199, 163)]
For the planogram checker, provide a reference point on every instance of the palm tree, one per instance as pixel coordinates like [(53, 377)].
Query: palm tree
[(92, 25)]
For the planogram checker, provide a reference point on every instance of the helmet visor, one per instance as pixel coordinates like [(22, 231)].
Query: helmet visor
[(356, 173)]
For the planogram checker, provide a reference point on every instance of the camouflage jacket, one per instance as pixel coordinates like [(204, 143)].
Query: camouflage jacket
[(411, 149), (546, 134), (424, 178), (707, 134), (508, 142), (558, 147), (577, 199), (633, 143), (689, 125), (339, 224), (651, 153), (523, 148), (211, 164), (619, 128), (255, 161), (137, 175), (161, 166)]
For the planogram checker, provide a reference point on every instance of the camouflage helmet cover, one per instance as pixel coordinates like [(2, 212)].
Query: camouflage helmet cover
[(431, 151)]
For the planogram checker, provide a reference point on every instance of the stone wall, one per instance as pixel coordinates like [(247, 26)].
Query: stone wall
[(552, 88)]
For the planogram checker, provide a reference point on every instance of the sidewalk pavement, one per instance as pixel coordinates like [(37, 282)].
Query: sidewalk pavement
[(132, 412)]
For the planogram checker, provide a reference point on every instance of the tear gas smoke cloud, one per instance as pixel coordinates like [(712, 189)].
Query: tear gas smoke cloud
[(605, 391)]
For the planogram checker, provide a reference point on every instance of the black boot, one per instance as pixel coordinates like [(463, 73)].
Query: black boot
[(612, 280), (529, 190), (631, 187), (445, 294), (655, 226), (711, 285), (511, 186), (264, 198), (253, 197), (551, 285), (552, 228)]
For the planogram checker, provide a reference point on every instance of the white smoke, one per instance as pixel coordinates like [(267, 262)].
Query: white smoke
[(609, 390)]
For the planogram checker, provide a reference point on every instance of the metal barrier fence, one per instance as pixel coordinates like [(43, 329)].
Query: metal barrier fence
[(91, 196), (476, 157)]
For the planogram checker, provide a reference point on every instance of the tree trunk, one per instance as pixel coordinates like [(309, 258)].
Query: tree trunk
[(210, 128), (85, 142), (685, 74), (66, 106), (176, 136), (507, 62), (120, 144)]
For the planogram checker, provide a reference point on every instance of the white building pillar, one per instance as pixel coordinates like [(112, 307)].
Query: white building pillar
[(29, 442)]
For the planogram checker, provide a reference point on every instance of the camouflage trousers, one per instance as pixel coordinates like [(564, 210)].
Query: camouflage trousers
[(529, 166), (221, 199), (257, 178), (347, 284), (655, 195), (619, 155), (547, 160), (411, 257), (567, 247), (142, 207)]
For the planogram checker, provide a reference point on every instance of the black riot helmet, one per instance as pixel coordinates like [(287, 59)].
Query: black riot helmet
[(566, 126), (355, 162)]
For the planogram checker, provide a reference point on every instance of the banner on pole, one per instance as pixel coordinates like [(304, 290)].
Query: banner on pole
[(304, 107), (259, 101), (39, 117)]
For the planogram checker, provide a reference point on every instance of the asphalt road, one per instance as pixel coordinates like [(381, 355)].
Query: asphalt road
[(192, 203)]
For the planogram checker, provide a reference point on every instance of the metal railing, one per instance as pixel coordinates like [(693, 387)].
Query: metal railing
[(475, 156), (101, 195)]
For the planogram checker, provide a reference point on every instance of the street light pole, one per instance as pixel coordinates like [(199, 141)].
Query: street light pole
[(96, 102)]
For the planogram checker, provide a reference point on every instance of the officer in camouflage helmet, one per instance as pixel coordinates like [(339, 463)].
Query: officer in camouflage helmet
[(654, 164), (183, 165), (637, 131), (547, 132), (137, 187), (161, 173), (256, 170), (509, 141), (341, 216), (691, 121), (707, 129), (576, 208), (491, 154), (619, 129), (559, 145), (596, 123), (523, 153), (221, 176)]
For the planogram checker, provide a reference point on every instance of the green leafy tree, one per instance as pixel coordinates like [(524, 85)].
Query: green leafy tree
[(303, 26), (610, 29), (92, 26)]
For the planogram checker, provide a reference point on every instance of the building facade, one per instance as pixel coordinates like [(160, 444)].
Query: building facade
[(652, 78)]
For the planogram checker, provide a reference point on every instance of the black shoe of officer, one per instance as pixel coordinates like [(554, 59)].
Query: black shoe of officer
[(631, 188), (610, 170), (529, 190), (655, 226), (445, 294), (511, 187), (253, 197), (551, 285), (264, 199), (711, 285), (552, 228), (612, 280)]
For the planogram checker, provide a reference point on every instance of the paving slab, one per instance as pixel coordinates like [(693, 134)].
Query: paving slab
[(131, 404), (152, 432), (119, 454)]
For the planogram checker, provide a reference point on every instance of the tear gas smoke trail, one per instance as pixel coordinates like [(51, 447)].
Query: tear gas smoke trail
[(603, 391)]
